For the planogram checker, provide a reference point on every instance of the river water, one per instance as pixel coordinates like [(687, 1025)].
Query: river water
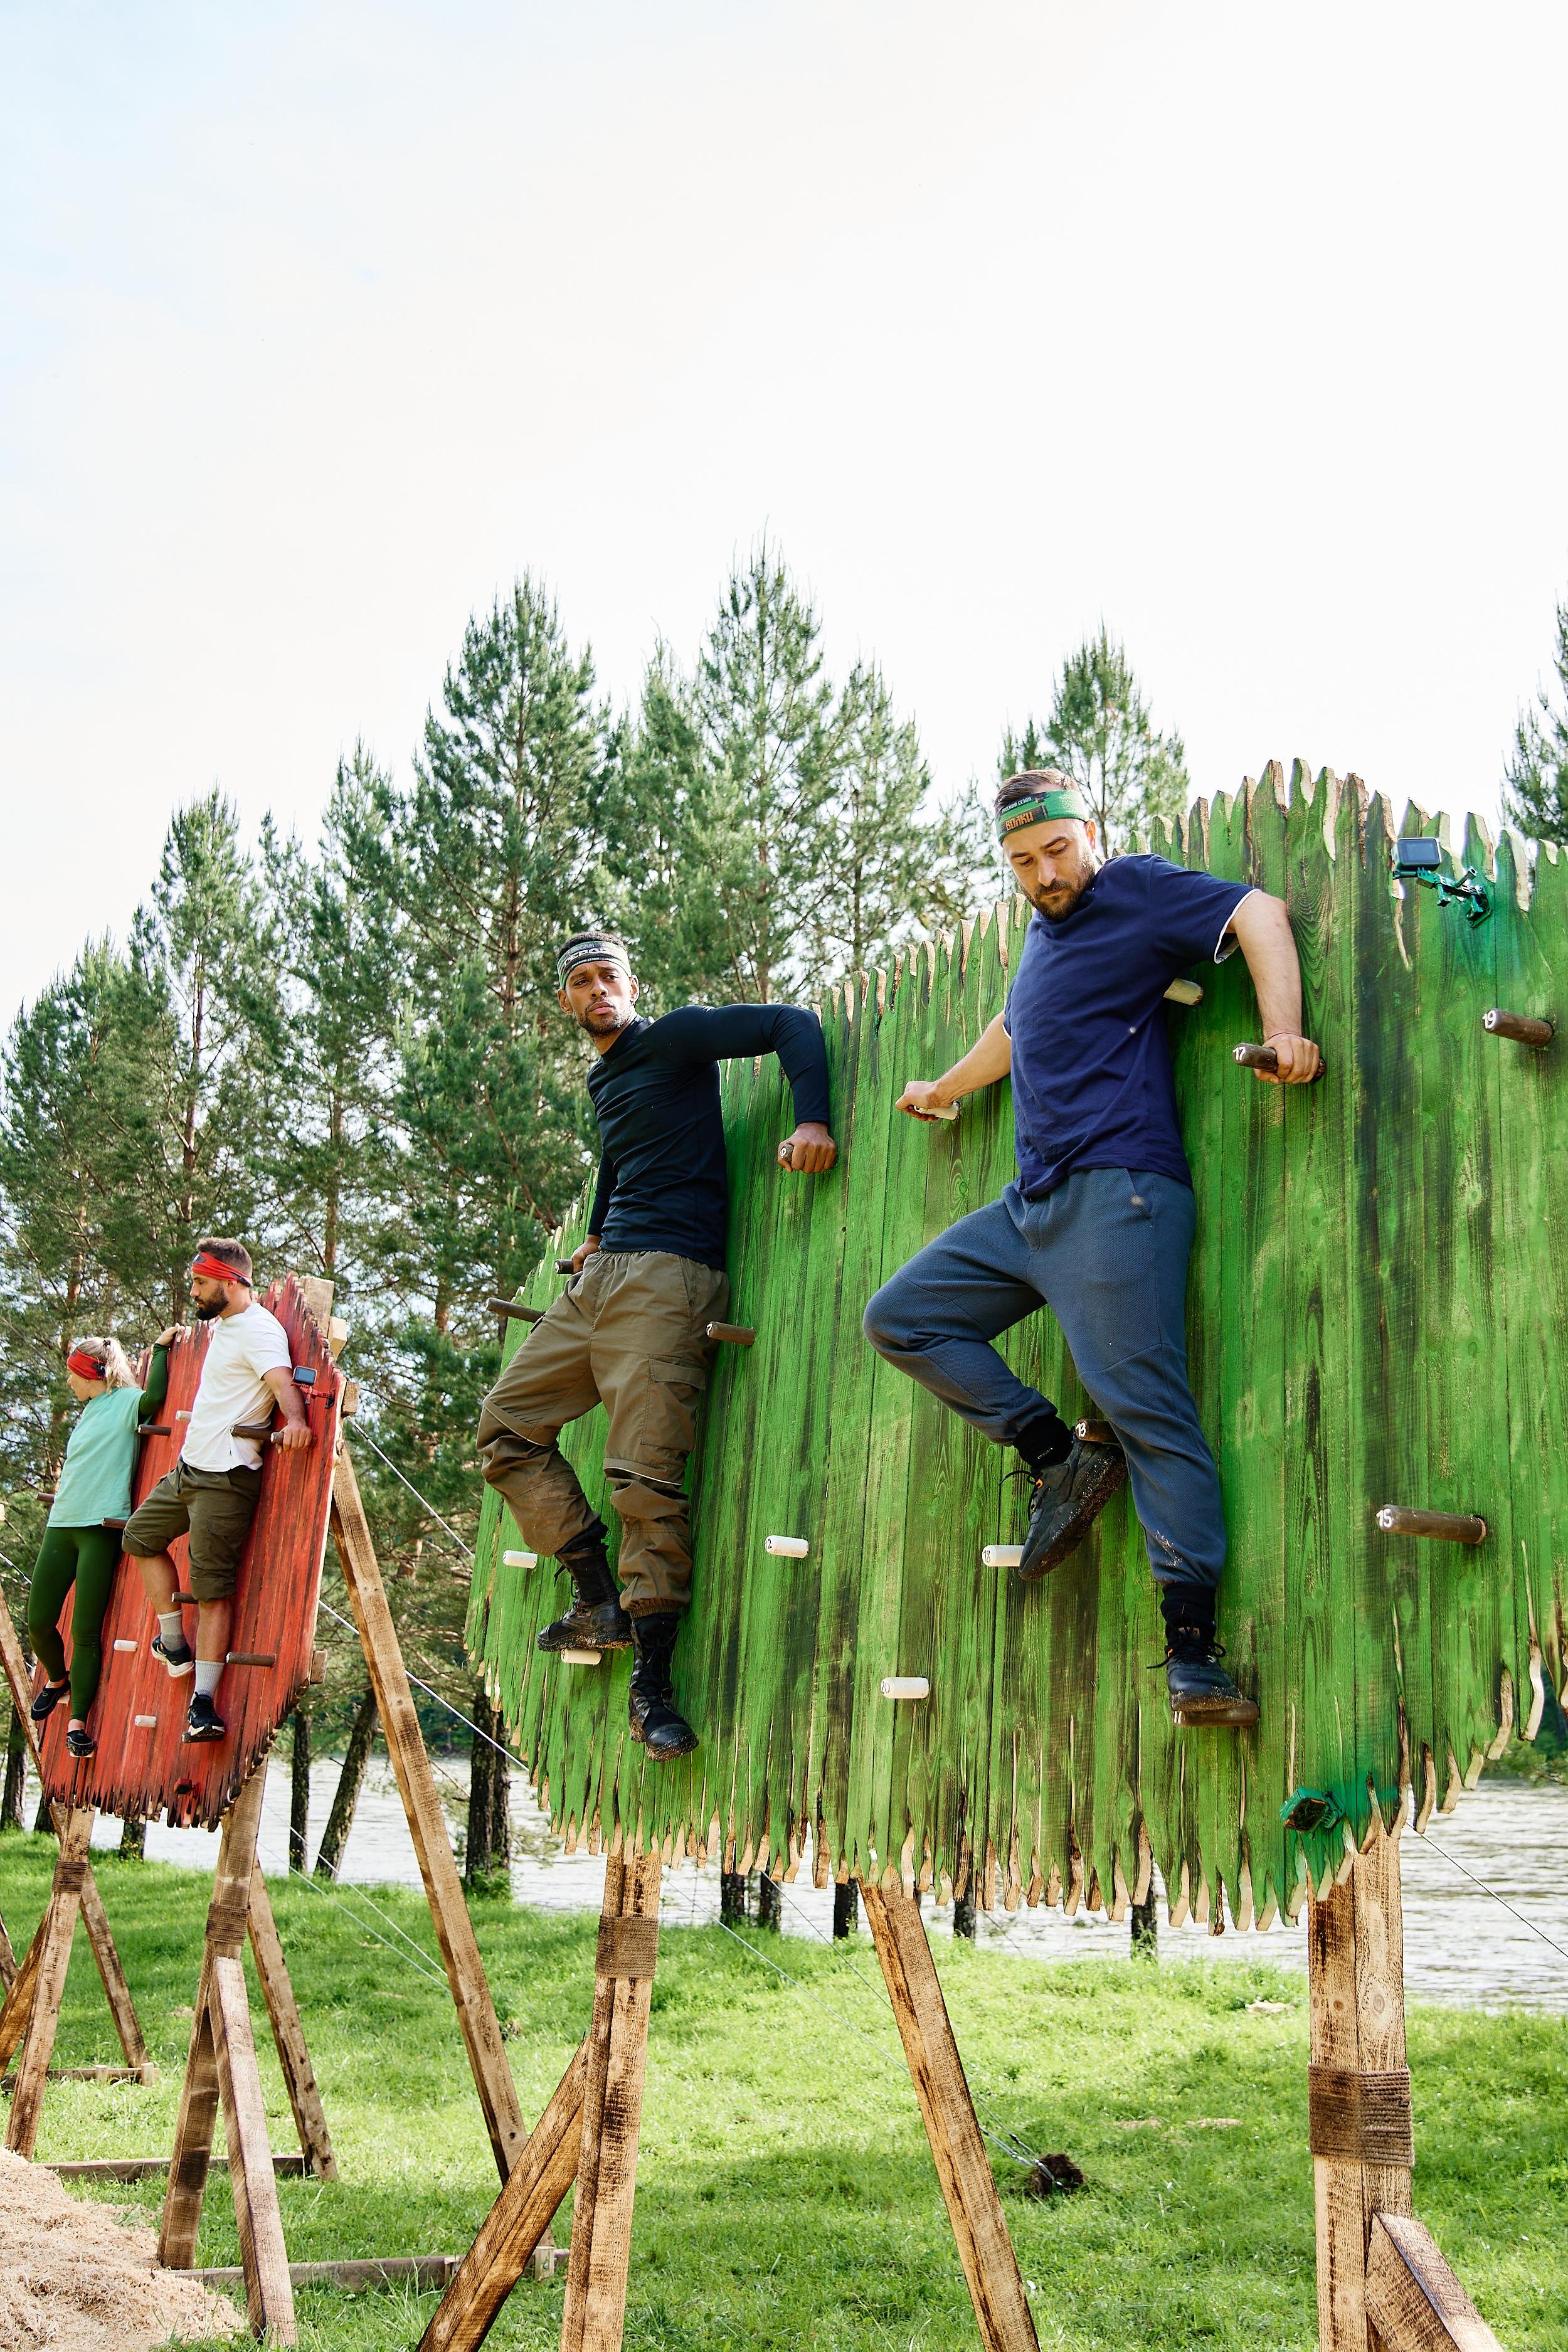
[(1461, 1945)]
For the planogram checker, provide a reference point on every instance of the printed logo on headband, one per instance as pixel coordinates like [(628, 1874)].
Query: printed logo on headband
[(1070, 803), (590, 947)]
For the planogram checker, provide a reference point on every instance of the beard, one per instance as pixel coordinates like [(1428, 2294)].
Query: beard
[(1056, 903), (208, 1310), (607, 1020)]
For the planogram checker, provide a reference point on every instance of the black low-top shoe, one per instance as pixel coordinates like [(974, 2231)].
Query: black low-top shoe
[(603, 1626), (1202, 1693), (81, 1741), (1066, 1500), (48, 1698), (178, 1656), (204, 1721)]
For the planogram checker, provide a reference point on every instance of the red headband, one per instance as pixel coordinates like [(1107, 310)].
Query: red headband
[(84, 1366), (214, 1269)]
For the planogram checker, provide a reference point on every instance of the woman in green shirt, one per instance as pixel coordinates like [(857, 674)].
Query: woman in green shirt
[(77, 1548)]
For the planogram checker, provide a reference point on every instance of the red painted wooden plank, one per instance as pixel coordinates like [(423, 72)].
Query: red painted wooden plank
[(147, 1771)]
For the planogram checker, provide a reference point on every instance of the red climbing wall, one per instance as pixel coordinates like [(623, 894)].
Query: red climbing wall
[(142, 1766)]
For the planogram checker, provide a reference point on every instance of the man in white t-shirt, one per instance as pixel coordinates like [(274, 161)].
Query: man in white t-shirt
[(211, 1493)]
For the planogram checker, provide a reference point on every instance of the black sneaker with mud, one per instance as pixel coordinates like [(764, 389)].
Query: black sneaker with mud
[(1067, 1499)]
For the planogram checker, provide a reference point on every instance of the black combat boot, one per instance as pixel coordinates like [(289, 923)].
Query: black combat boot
[(1203, 1694), (596, 1620), (1071, 1488), (655, 1718)]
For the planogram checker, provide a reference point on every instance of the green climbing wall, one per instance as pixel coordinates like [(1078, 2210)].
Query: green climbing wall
[(1377, 1312)]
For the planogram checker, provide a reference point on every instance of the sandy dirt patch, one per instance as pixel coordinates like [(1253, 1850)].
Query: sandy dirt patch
[(73, 2278)]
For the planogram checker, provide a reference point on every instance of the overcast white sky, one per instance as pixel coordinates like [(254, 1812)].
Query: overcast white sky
[(1241, 327)]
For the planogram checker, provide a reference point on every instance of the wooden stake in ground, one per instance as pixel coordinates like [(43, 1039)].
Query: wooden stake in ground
[(1358, 2085), (54, 1951), (122, 2009), (227, 1921), (595, 2310), (984, 2248), (264, 2257), (517, 2224), (289, 2034), (426, 1822)]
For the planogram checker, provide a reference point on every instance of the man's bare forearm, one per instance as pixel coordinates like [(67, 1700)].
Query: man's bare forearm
[(1262, 925), (989, 1058)]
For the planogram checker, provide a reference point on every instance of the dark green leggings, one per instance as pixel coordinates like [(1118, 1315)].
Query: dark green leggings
[(87, 1558)]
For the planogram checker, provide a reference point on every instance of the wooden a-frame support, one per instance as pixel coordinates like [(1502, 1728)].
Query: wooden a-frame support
[(221, 2068), (1382, 2285), (589, 2131), (30, 2015)]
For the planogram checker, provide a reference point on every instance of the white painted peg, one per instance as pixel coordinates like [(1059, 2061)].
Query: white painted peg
[(520, 1559), (579, 1657), (787, 1547), (1184, 991), (1001, 1555), (905, 1686), (146, 1722), (125, 1645)]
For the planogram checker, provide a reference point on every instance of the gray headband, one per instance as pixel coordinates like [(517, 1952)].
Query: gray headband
[(590, 947)]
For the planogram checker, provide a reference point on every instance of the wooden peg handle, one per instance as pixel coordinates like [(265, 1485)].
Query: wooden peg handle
[(1521, 1026), (736, 1333), (1440, 1526), (1264, 1057)]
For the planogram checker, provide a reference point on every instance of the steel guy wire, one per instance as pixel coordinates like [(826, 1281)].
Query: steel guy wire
[(421, 1967), (1454, 1863), (422, 1499), (432, 1692)]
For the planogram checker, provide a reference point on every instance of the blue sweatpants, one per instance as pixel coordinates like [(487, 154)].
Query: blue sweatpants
[(1107, 1252)]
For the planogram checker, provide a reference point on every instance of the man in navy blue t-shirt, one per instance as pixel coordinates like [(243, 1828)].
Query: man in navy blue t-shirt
[(1099, 1223)]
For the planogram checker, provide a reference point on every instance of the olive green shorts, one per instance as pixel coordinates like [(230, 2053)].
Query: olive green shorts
[(214, 1507)]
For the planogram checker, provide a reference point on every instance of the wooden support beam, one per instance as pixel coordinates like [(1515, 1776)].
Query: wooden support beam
[(427, 1822), (964, 2168), (54, 1959), (153, 2167), (18, 2007), (420, 2272), (594, 2318), (289, 2032), (1412, 2299), (121, 2007), (227, 1921), (1360, 2097), (7, 1960), (264, 2257), (116, 1990), (516, 2224)]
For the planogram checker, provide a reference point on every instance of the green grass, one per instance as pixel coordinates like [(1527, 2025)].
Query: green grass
[(787, 2196)]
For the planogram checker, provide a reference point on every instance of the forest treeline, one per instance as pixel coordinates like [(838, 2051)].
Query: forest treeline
[(349, 1052)]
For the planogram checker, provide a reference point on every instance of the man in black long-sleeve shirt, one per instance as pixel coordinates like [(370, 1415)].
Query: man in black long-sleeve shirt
[(631, 1330)]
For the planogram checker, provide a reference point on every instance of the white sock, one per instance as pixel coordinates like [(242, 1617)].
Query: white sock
[(172, 1627), (209, 1674)]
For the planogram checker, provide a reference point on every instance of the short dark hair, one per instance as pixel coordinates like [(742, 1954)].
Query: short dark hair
[(230, 1253), (1029, 784)]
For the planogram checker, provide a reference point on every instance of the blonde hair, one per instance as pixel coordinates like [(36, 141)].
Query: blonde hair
[(116, 1369)]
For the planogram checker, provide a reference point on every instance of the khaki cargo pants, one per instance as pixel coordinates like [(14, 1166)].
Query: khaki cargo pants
[(629, 1333)]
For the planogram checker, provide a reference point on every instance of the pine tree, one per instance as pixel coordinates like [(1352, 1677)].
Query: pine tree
[(770, 748), (80, 1223), (333, 1167), (1535, 776), (1101, 734), (494, 848), (203, 944), (895, 867)]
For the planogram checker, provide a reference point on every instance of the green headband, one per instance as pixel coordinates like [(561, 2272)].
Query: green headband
[(1070, 801)]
